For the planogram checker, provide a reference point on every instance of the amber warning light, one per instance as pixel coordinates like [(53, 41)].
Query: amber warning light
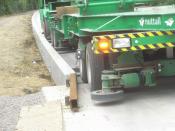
[(104, 44)]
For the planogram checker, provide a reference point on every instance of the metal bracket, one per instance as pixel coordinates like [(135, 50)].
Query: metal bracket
[(79, 54)]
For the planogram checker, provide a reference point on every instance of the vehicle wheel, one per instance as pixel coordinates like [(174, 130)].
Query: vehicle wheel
[(100, 96), (95, 65), (46, 29), (53, 39), (83, 71)]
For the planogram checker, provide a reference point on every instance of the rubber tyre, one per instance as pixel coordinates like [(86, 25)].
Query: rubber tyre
[(53, 39), (107, 97), (95, 65), (83, 70), (46, 29)]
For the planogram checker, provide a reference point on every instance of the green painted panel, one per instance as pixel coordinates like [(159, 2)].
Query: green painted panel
[(168, 67), (126, 22), (153, 40), (130, 58)]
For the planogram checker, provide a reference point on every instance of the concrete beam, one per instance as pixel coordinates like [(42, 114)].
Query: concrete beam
[(58, 68), (56, 65)]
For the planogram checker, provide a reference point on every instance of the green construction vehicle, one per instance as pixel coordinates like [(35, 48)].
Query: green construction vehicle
[(120, 44)]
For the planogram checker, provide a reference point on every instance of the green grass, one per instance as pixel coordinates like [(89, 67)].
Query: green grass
[(16, 6)]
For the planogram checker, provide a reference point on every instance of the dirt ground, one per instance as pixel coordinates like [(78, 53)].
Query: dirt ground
[(22, 70)]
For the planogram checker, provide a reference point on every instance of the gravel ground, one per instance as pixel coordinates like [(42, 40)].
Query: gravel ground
[(10, 109)]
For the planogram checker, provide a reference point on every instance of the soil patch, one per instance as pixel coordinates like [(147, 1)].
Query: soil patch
[(22, 70)]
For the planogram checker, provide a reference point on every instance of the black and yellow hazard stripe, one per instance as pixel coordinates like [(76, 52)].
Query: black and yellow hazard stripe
[(145, 34), (136, 48), (138, 34)]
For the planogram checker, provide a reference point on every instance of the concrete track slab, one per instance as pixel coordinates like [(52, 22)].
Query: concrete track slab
[(45, 117), (70, 59), (55, 93), (143, 110)]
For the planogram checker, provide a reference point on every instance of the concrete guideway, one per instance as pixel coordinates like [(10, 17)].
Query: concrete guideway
[(58, 68), (54, 62)]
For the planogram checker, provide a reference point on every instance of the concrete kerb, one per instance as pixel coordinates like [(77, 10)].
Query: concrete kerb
[(60, 71), (56, 65)]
